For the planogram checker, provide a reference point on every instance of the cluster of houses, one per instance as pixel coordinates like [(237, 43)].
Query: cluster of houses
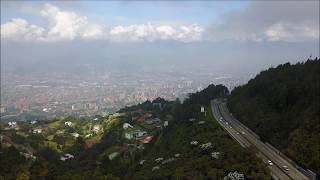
[(13, 125), (234, 176), (161, 160), (199, 122), (205, 147)]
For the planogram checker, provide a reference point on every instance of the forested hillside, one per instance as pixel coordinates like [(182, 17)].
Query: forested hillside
[(282, 106)]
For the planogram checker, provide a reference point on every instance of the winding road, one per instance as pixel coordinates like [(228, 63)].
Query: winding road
[(248, 139)]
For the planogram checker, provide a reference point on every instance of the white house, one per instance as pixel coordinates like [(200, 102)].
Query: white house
[(37, 131), (75, 135), (88, 135), (68, 123), (135, 134), (192, 119), (66, 157), (234, 176), (166, 123), (155, 168), (127, 125), (113, 155), (168, 160), (158, 159), (206, 146), (12, 124), (215, 155), (194, 143), (33, 122), (142, 162), (96, 128)]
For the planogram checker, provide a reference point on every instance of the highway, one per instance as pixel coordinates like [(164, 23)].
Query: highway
[(248, 139)]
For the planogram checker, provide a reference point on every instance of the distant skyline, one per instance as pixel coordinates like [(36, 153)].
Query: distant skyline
[(230, 34)]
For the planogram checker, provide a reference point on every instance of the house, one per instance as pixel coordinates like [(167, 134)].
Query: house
[(96, 128), (215, 155), (12, 124), (165, 124), (135, 134), (194, 143), (168, 160), (28, 156), (75, 135), (192, 119), (147, 140), (33, 122), (234, 176), (66, 157), (127, 125), (68, 123), (206, 146), (116, 115), (153, 121), (113, 155), (158, 159), (155, 168), (37, 131), (88, 135), (142, 162)]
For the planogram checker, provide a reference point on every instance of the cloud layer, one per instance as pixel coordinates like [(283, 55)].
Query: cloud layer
[(260, 21), (68, 25)]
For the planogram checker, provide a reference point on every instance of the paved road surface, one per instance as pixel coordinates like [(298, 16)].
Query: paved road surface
[(246, 138)]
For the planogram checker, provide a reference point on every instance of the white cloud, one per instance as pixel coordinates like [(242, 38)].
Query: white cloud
[(152, 32), (64, 25), (291, 32), (69, 25), (20, 29)]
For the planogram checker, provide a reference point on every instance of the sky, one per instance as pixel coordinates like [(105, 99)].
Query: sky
[(227, 36)]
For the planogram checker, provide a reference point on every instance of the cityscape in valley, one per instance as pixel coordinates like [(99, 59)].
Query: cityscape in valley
[(53, 96), (160, 90)]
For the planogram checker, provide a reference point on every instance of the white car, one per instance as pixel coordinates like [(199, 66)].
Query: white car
[(243, 132), (270, 163), (285, 168)]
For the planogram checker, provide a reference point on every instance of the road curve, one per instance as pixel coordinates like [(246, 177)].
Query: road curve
[(246, 138)]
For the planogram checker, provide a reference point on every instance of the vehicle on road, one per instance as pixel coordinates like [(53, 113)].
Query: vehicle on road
[(285, 168), (243, 132), (270, 163)]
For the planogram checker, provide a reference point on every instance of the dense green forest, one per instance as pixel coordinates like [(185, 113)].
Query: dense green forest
[(282, 106), (169, 155)]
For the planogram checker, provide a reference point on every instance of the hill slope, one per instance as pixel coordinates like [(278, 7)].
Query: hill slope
[(282, 106)]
